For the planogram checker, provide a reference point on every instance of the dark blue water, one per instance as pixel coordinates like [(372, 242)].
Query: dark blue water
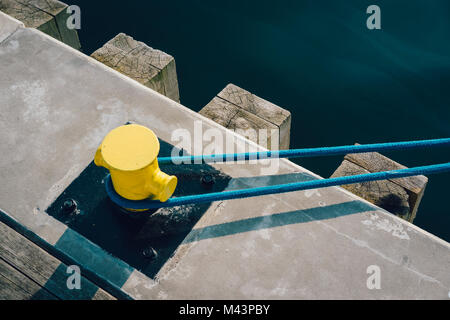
[(342, 82)]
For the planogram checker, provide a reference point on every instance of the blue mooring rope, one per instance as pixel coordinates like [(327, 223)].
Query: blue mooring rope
[(282, 188), (309, 152)]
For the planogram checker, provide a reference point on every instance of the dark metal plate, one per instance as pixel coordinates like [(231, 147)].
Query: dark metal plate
[(145, 243)]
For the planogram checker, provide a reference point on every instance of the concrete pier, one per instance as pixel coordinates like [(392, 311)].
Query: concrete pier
[(151, 67), (48, 16), (57, 106), (237, 109)]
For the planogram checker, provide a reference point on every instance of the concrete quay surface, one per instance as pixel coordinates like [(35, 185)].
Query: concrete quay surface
[(57, 105)]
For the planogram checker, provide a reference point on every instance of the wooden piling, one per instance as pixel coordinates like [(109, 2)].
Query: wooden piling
[(238, 109), (151, 67), (399, 196), (48, 16)]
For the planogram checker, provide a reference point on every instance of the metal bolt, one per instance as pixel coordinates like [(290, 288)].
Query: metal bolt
[(69, 206), (207, 180), (149, 253)]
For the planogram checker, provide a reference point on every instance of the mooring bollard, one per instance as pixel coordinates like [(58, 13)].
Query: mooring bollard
[(129, 153)]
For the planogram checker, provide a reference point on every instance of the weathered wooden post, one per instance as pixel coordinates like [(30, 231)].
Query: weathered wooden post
[(237, 109), (48, 16), (153, 68), (399, 196)]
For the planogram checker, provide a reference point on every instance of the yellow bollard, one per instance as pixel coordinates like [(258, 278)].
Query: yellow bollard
[(129, 153)]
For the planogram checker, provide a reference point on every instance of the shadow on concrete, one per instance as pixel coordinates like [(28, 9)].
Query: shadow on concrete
[(278, 220)]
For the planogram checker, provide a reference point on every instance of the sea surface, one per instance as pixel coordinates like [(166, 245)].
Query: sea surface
[(342, 82)]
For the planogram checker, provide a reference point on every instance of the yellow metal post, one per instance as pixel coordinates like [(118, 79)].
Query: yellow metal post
[(129, 153)]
